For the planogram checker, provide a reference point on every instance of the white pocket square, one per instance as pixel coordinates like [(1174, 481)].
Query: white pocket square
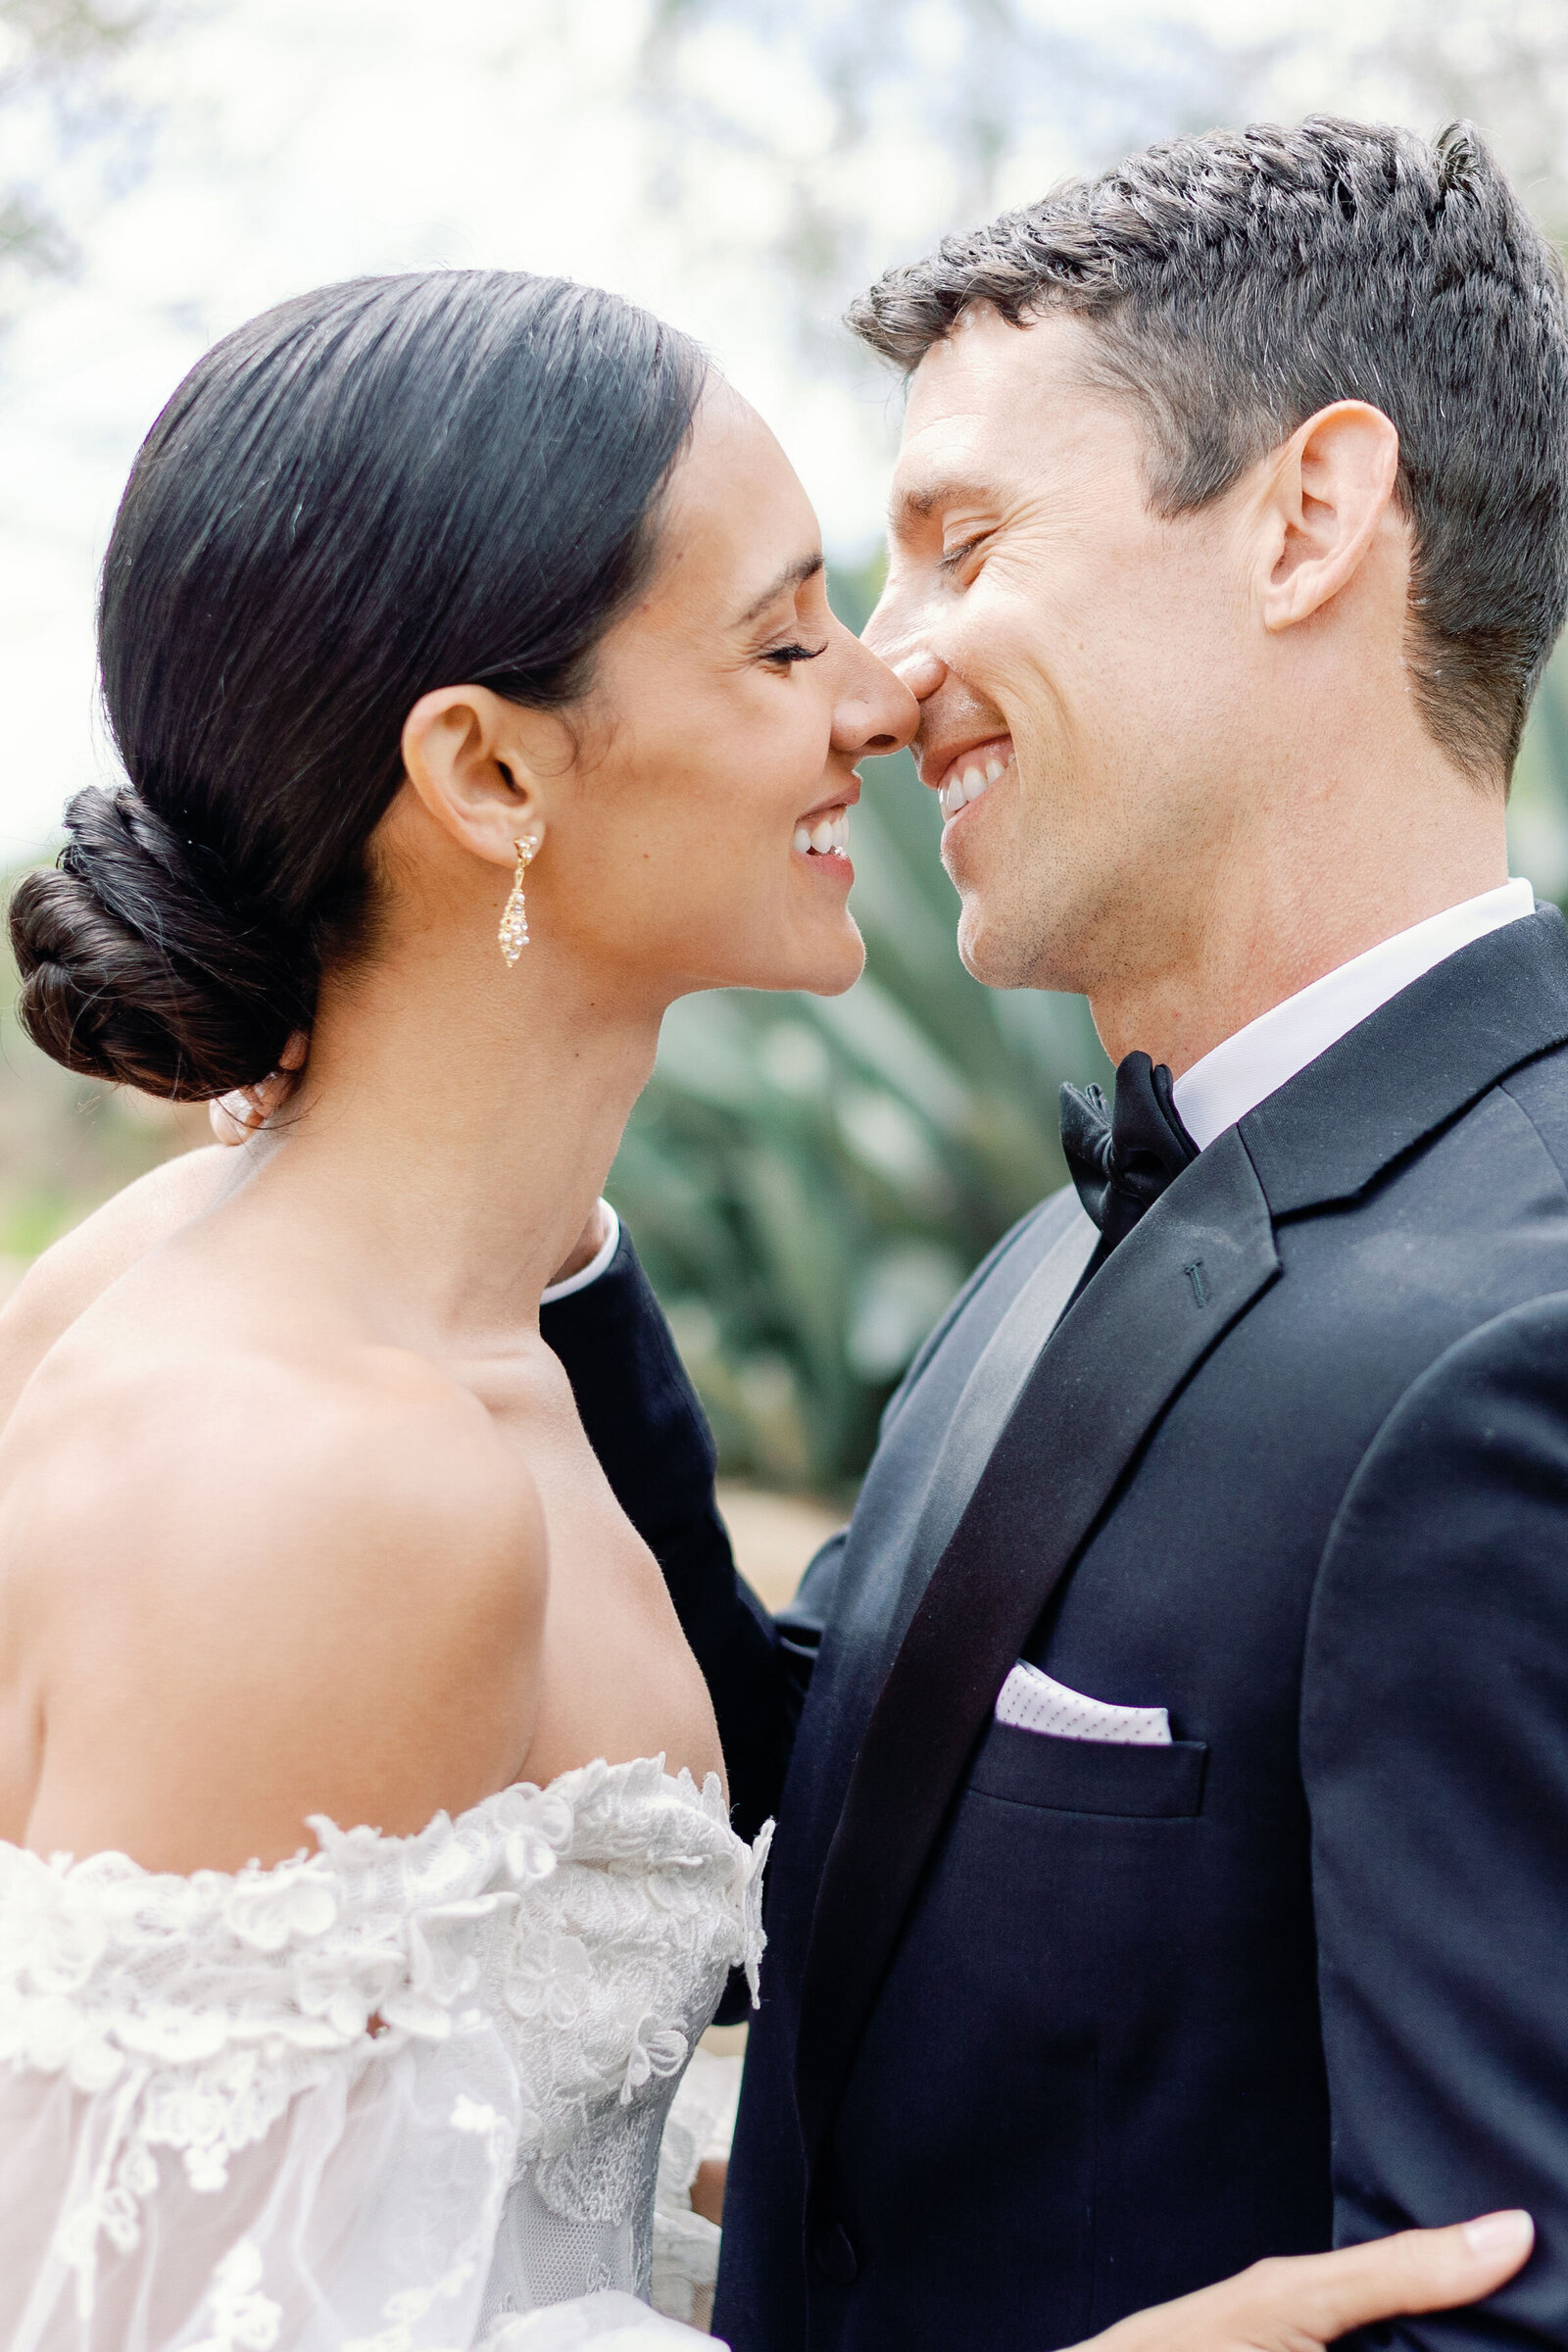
[(1032, 1702)]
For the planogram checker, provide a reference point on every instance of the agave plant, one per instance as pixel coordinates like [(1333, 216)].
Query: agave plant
[(810, 1180)]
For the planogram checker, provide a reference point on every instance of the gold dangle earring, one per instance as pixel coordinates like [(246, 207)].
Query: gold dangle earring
[(512, 936)]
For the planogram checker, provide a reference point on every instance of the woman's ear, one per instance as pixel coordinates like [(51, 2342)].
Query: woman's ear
[(1332, 484), (468, 760)]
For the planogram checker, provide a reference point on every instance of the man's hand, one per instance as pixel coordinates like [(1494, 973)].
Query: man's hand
[(708, 2189), (1300, 2302)]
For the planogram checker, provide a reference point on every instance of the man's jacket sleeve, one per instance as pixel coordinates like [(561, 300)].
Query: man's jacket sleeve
[(1435, 1751), (649, 1434)]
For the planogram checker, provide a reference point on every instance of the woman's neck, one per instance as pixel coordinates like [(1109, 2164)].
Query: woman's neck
[(455, 1129)]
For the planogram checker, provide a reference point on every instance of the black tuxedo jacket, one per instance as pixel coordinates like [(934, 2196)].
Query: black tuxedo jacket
[(1052, 2030)]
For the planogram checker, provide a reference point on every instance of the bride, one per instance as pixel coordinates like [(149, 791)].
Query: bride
[(465, 644)]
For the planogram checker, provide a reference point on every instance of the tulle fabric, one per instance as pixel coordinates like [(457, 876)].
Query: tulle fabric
[(340, 2227), (701, 2125), (610, 2322), (395, 2096)]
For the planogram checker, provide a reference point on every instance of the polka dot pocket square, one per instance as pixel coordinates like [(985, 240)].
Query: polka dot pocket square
[(1031, 1701)]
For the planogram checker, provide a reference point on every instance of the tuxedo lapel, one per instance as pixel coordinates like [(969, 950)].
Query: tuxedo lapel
[(994, 1388), (1413, 1066), (981, 1413), (1166, 1295), (1199, 1258)]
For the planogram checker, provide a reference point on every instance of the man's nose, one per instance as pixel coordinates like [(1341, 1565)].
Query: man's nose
[(920, 669), (894, 633)]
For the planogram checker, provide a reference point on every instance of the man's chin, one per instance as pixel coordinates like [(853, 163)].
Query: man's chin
[(991, 951), (1017, 948)]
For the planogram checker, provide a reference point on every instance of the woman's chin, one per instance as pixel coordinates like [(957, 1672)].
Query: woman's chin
[(817, 967), (820, 959), (831, 972)]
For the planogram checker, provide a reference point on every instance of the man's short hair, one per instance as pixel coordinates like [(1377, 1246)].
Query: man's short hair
[(1238, 282)]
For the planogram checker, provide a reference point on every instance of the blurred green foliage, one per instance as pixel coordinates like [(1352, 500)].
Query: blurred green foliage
[(67, 1143), (809, 1180)]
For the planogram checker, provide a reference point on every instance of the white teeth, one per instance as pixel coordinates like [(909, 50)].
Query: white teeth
[(829, 836), (960, 789)]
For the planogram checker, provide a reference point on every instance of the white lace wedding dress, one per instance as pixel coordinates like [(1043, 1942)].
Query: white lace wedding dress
[(385, 2097)]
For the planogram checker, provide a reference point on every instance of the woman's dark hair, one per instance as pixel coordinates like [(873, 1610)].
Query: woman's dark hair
[(370, 492)]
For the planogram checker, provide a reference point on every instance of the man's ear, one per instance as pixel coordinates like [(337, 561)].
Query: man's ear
[(467, 755), (1330, 486)]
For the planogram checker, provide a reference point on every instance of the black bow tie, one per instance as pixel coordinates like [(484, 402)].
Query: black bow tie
[(1121, 1163)]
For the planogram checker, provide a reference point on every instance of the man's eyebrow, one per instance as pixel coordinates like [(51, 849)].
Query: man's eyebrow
[(792, 575), (918, 500)]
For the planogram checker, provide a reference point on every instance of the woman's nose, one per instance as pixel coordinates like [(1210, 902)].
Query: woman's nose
[(882, 717)]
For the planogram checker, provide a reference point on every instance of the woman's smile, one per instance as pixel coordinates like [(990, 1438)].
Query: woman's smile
[(824, 837)]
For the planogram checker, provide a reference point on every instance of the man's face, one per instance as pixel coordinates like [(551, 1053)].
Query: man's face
[(1083, 658)]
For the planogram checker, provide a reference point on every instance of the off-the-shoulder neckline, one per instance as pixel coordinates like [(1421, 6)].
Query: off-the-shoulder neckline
[(363, 1842)]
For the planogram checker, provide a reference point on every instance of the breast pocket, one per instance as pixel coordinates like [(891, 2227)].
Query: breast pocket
[(1091, 1776)]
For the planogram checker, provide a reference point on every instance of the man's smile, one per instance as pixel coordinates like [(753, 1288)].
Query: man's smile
[(972, 773)]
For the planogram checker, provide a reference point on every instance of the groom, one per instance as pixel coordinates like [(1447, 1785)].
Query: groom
[(1171, 1758)]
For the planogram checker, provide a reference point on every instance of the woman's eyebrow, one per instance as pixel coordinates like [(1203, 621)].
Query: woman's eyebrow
[(792, 575)]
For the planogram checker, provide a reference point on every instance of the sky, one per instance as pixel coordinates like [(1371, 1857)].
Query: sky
[(263, 146)]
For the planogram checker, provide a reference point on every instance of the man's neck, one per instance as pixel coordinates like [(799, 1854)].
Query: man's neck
[(1266, 936), (1253, 1062)]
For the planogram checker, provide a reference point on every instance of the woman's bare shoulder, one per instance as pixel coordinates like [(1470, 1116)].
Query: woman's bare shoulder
[(256, 1585), (63, 1282)]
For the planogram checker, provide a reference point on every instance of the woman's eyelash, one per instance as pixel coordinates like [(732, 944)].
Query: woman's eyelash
[(785, 655)]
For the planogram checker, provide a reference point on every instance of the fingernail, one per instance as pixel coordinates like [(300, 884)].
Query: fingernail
[(1499, 2233)]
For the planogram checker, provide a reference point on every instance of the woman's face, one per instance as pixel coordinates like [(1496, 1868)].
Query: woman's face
[(700, 836)]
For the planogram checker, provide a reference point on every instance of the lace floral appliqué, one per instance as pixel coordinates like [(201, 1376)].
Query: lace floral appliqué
[(528, 1979)]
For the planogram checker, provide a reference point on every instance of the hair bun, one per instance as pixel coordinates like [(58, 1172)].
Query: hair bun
[(134, 970), (375, 490)]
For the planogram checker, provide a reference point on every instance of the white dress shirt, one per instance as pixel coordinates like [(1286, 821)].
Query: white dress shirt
[(598, 1264), (1238, 1074)]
